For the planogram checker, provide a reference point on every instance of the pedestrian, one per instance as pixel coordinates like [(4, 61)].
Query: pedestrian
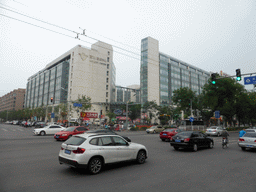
[(241, 133), (26, 124)]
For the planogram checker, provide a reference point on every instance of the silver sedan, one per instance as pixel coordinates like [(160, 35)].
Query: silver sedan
[(214, 130), (247, 141)]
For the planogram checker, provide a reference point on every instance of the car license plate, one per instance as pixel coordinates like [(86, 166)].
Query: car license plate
[(176, 140), (164, 134), (57, 137), (67, 151), (209, 131), (249, 146)]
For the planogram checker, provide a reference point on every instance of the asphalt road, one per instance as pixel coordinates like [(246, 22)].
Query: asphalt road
[(30, 163)]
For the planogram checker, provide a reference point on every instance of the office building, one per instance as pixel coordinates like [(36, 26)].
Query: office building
[(13, 100), (161, 74), (79, 71)]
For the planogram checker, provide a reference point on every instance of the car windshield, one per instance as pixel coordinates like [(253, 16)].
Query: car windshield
[(253, 134), (169, 130), (249, 130), (70, 129), (184, 134), (212, 127), (153, 127), (75, 140)]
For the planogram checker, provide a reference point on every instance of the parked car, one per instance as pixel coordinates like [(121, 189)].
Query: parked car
[(109, 132), (94, 151), (23, 123), (155, 129), (50, 129), (248, 141), (192, 140), (69, 132), (214, 130), (40, 124), (28, 124), (167, 134)]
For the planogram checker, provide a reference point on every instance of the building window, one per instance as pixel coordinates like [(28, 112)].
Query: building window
[(107, 66), (106, 87), (71, 75), (106, 94), (108, 53), (106, 100), (72, 69), (70, 91), (107, 80), (107, 73), (108, 59)]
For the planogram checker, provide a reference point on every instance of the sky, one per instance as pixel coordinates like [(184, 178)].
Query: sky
[(212, 35)]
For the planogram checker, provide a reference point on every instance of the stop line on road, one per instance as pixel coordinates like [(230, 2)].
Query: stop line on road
[(15, 129)]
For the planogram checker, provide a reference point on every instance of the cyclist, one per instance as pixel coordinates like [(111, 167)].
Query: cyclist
[(225, 135)]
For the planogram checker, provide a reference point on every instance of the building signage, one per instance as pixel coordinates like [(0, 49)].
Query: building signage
[(89, 114), (118, 111)]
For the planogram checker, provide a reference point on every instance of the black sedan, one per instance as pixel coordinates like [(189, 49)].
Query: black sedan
[(192, 140), (107, 131)]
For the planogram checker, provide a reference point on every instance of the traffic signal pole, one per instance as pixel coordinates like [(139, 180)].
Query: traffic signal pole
[(234, 76)]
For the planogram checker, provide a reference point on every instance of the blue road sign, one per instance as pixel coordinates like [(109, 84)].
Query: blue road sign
[(77, 105), (250, 80), (191, 119), (52, 115), (217, 114)]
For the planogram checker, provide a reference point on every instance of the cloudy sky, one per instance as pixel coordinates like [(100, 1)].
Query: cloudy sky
[(212, 35)]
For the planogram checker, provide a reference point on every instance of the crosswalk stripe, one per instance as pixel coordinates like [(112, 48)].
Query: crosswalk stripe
[(4, 129)]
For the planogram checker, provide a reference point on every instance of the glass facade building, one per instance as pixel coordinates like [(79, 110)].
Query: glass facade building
[(172, 75), (50, 82)]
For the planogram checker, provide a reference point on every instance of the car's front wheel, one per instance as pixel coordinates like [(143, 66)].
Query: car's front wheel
[(95, 165), (42, 133), (141, 157), (218, 134), (243, 148), (154, 132), (211, 145), (195, 147)]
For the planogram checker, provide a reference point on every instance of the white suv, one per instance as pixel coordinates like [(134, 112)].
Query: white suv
[(93, 151)]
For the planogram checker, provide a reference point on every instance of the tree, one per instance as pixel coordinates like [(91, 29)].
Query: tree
[(222, 96), (182, 98), (111, 115), (134, 111), (63, 110), (86, 104), (164, 114), (150, 107)]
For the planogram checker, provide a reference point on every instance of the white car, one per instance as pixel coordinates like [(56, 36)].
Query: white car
[(50, 129), (214, 130), (93, 151)]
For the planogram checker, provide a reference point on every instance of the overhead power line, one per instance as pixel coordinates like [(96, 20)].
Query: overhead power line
[(77, 37)]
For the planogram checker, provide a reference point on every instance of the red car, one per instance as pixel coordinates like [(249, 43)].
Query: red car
[(67, 133), (167, 134)]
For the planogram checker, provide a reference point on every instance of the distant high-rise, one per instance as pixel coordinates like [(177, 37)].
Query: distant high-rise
[(161, 74)]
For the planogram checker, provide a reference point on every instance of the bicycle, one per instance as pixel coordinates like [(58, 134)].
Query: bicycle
[(224, 143)]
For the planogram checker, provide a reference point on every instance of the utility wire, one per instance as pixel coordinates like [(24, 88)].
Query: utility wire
[(65, 35), (65, 29), (74, 32)]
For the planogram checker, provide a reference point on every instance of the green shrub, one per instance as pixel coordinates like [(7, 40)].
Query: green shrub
[(134, 129)]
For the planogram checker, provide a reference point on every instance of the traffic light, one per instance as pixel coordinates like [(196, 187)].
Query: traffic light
[(213, 78), (51, 99), (238, 75)]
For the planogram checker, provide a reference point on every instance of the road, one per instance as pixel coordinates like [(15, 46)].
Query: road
[(30, 163)]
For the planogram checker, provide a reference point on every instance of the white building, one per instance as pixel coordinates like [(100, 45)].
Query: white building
[(80, 71)]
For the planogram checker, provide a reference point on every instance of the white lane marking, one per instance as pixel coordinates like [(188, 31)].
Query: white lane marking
[(20, 129), (4, 129)]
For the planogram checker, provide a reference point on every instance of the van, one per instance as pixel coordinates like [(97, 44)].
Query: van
[(74, 120), (96, 122)]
